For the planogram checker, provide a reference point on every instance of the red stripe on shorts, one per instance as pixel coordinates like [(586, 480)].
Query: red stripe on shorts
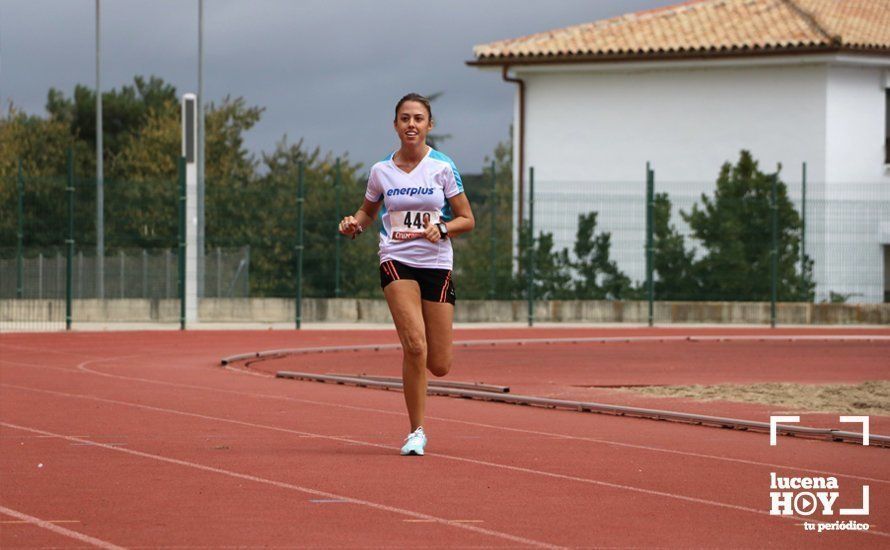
[(445, 287), (394, 272)]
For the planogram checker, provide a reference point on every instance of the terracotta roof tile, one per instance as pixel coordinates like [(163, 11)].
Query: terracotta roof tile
[(710, 27)]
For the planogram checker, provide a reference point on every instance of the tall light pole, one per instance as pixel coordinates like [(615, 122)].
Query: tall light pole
[(100, 173), (200, 243), (189, 152)]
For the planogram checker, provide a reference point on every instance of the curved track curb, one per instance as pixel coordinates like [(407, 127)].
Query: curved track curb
[(619, 410), (274, 353)]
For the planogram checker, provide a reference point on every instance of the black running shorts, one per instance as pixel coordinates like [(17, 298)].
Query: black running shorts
[(435, 284)]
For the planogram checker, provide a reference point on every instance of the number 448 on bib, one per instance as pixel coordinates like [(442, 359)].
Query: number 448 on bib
[(409, 224)]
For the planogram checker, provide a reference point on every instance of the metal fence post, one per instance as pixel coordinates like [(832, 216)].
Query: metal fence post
[(774, 252), (20, 237), (80, 274), (123, 260), (167, 255), (70, 240), (803, 232), (57, 282), (337, 237), (218, 272), (40, 275), (531, 246), (492, 279), (650, 241), (299, 248), (181, 282), (247, 271), (144, 273)]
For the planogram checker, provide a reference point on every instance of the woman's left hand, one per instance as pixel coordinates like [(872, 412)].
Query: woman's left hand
[(431, 232)]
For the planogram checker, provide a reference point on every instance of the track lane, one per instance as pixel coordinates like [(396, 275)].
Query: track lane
[(572, 479), (23, 529), (164, 501), (765, 456), (191, 367), (617, 435)]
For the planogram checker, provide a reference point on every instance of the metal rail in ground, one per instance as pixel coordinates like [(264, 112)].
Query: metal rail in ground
[(620, 410), (277, 353), (479, 386)]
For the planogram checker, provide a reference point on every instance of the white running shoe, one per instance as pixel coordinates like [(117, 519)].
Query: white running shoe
[(414, 443)]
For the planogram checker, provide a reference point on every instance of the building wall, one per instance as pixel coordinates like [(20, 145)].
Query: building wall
[(591, 129), (855, 103), (855, 197), (605, 125)]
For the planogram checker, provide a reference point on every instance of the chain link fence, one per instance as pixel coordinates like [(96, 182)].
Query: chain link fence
[(748, 237), (129, 274), (728, 240)]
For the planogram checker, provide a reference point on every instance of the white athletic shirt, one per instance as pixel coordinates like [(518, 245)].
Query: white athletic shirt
[(408, 198)]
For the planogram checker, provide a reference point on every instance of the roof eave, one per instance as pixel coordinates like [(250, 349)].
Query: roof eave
[(672, 55)]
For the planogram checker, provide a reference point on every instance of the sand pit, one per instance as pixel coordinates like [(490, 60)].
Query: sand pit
[(869, 398)]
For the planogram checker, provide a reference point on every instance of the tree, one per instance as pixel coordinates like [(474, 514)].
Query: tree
[(142, 187), (734, 230), (551, 269), (591, 276), (596, 277), (674, 265), (124, 112), (41, 145), (474, 261), (433, 139), (277, 238)]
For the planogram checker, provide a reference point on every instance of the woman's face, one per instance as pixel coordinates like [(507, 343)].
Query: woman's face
[(412, 123)]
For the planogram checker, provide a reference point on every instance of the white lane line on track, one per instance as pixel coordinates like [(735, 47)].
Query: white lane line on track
[(455, 520), (82, 368), (33, 365), (45, 350), (250, 372), (23, 522), (437, 455), (579, 438), (49, 526), (290, 486)]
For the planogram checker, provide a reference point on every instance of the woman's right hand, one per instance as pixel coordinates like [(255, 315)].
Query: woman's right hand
[(350, 226)]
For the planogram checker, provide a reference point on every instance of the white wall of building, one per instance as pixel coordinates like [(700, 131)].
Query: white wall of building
[(605, 124), (590, 129), (856, 190), (854, 127)]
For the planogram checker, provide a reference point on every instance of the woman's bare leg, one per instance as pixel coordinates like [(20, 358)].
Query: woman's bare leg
[(438, 319), (403, 298)]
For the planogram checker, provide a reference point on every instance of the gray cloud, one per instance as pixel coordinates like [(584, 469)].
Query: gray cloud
[(329, 72)]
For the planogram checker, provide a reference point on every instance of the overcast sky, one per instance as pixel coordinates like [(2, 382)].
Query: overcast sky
[(327, 71)]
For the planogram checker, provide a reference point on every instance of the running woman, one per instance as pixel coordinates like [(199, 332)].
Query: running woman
[(424, 206)]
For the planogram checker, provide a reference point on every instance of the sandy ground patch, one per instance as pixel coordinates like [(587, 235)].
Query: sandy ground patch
[(870, 398)]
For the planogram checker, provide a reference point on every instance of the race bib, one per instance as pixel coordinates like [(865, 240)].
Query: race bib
[(406, 225)]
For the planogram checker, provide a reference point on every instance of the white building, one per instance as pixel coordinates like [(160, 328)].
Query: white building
[(686, 88)]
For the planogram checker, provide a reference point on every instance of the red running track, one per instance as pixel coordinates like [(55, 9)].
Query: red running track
[(140, 439)]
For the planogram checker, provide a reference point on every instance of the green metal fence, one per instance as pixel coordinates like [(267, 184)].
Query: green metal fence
[(745, 237)]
